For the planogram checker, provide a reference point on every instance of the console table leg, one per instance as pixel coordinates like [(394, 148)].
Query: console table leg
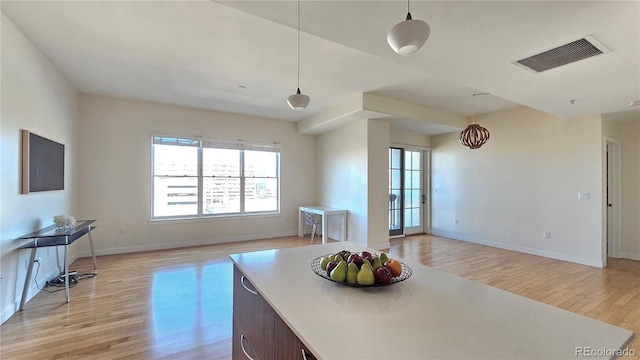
[(66, 271), (25, 290), (93, 253)]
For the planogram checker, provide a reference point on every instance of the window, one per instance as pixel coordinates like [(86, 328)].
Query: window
[(200, 178)]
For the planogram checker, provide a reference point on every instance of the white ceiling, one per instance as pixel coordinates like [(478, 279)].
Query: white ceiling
[(198, 53)]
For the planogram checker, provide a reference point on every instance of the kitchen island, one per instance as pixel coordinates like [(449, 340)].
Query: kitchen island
[(431, 315)]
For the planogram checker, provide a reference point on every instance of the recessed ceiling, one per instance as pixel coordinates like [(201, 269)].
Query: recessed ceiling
[(197, 53)]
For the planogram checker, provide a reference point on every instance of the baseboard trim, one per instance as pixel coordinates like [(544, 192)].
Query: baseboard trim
[(630, 256), (32, 291), (522, 249), (165, 246), (8, 312)]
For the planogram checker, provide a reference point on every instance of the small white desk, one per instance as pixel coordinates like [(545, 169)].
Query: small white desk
[(324, 212)]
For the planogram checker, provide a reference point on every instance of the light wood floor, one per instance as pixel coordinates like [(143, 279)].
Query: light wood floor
[(176, 304)]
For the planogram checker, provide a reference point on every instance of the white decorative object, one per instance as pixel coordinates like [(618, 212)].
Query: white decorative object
[(64, 221)]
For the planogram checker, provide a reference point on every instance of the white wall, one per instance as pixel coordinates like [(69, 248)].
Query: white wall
[(342, 177), (115, 176), (37, 98), (378, 184), (402, 137), (523, 182), (353, 175)]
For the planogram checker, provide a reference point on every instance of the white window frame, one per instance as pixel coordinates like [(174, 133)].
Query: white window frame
[(202, 143)]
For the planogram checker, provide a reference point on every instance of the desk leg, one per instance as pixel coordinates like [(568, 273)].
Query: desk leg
[(66, 271), (344, 227), (300, 223), (325, 228), (93, 253), (25, 290)]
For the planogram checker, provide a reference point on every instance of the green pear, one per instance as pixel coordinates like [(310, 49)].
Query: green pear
[(339, 273), (337, 258), (352, 273), (376, 263), (323, 263), (367, 264), (383, 258), (365, 276)]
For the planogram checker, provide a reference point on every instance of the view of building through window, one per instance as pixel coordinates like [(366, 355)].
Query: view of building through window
[(224, 181)]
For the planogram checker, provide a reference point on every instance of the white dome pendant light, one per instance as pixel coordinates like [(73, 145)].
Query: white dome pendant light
[(298, 100), (407, 37)]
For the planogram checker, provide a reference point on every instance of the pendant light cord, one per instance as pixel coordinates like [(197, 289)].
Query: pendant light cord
[(298, 46), (473, 106)]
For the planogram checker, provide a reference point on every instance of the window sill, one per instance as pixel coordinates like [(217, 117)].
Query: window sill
[(176, 220)]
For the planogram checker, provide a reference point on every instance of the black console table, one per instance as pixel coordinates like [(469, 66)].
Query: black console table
[(53, 236)]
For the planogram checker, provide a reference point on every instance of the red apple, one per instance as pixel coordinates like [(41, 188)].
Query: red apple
[(366, 255), (356, 259), (382, 275), (330, 266)]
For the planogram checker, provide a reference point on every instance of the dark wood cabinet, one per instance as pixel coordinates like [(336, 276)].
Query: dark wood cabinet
[(258, 332), (253, 316), (289, 346)]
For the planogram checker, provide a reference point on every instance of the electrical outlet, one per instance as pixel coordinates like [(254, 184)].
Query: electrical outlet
[(121, 232), (456, 221), (583, 196), (547, 234)]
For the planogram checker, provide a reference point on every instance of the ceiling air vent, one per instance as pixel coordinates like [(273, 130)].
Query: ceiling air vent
[(563, 55)]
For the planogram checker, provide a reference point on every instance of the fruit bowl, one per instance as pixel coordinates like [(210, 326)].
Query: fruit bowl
[(315, 267)]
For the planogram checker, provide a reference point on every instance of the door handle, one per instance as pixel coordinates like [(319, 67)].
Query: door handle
[(424, 198)]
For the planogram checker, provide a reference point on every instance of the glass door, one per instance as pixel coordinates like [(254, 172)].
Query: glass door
[(407, 197), (395, 191), (414, 198)]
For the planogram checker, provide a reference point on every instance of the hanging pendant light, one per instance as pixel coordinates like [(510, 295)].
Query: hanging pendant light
[(298, 100), (407, 37), (474, 136)]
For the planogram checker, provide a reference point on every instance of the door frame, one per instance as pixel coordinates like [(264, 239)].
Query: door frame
[(612, 177)]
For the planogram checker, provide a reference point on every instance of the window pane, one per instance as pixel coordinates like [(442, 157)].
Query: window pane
[(221, 195), (260, 194), (394, 220), (415, 217), (395, 179), (175, 160), (407, 217), (407, 160), (407, 198), (416, 179), (260, 164), (220, 162), (415, 198), (415, 163), (175, 196), (395, 158)]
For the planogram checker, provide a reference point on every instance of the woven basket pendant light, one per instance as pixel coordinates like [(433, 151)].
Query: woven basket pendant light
[(474, 136)]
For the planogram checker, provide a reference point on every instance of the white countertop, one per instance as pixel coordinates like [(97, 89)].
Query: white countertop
[(432, 315)]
